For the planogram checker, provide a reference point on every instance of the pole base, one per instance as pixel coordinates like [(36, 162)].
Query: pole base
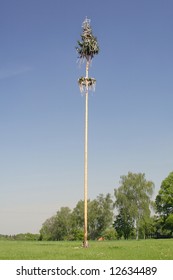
[(85, 244)]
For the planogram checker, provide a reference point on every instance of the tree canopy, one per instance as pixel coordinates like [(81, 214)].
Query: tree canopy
[(133, 198), (132, 205), (68, 224), (164, 199)]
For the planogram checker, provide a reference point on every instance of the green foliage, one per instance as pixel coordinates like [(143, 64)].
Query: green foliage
[(4, 237), (132, 202), (57, 227), (123, 224), (164, 199), (68, 225), (88, 46), (164, 207), (76, 234), (63, 223), (48, 229), (26, 237), (169, 223), (78, 215), (133, 199), (100, 215), (110, 234), (21, 236)]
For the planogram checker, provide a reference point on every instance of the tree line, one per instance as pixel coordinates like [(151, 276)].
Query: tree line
[(131, 214), (21, 237), (68, 224)]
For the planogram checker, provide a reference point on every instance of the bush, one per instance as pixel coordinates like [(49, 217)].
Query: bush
[(110, 234)]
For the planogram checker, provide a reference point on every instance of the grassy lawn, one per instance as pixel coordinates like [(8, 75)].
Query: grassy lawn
[(106, 250)]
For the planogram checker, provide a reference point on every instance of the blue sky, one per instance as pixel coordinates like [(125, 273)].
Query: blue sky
[(42, 110)]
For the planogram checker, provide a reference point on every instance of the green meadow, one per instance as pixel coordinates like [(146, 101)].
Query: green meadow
[(152, 249)]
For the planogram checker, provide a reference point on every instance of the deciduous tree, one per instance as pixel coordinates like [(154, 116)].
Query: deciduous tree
[(164, 199), (133, 198)]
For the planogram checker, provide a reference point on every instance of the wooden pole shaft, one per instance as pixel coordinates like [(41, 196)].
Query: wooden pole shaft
[(86, 165)]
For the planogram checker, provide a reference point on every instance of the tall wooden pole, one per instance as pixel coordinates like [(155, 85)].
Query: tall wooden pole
[(86, 49), (86, 164)]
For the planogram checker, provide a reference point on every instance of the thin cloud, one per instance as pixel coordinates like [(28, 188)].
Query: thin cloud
[(9, 73)]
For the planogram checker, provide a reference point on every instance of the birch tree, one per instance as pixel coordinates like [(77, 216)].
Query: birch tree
[(133, 198)]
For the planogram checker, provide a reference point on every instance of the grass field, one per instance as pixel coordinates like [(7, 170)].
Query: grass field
[(106, 250)]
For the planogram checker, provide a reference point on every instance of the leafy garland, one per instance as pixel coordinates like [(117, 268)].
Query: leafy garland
[(86, 83)]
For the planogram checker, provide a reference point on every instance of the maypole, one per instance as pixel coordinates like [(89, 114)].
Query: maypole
[(86, 49)]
